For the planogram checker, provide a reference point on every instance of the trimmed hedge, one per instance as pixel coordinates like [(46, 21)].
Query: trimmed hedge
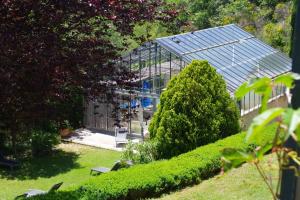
[(153, 179)]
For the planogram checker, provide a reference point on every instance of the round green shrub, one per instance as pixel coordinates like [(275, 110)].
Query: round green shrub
[(140, 153), (194, 110)]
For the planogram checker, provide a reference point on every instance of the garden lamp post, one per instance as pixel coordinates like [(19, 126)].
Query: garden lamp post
[(290, 185)]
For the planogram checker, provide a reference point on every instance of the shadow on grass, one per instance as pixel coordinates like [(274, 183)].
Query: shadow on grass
[(45, 166)]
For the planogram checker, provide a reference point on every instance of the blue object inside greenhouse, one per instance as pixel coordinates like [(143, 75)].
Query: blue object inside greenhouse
[(146, 102), (125, 105), (134, 104), (146, 86)]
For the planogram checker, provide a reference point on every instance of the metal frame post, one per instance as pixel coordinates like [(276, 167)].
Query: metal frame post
[(130, 96), (170, 65)]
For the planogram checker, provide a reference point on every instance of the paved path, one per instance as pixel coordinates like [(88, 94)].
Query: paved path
[(95, 138)]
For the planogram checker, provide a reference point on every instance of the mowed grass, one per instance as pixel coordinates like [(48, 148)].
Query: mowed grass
[(70, 163), (243, 183)]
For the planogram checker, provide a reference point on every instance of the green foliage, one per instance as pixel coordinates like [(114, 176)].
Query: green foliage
[(194, 110), (269, 20), (235, 157), (149, 31), (140, 152), (155, 178), (237, 11), (65, 124), (263, 87), (276, 30), (268, 2), (202, 10), (277, 35), (43, 142), (199, 12), (286, 122), (71, 110), (273, 34), (261, 121)]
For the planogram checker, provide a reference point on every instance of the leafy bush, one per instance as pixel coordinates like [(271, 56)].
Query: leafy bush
[(277, 35), (43, 142), (140, 152), (155, 178), (65, 124), (195, 110)]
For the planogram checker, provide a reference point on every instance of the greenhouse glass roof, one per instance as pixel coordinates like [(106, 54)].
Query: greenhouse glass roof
[(236, 54)]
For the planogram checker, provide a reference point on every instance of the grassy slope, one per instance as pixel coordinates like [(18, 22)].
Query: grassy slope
[(243, 183), (71, 164)]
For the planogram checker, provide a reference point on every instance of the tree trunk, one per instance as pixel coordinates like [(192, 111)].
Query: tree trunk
[(290, 185)]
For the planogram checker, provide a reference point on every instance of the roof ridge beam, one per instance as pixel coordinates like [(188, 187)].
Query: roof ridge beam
[(218, 45)]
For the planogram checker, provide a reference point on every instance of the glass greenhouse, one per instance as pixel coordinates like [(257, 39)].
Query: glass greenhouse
[(236, 54)]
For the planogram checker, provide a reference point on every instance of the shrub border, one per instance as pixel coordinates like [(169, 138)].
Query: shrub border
[(156, 178)]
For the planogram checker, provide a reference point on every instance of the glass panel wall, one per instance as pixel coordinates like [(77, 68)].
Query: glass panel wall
[(252, 101)]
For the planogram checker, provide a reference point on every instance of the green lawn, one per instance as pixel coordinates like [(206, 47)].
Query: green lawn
[(243, 183), (71, 164)]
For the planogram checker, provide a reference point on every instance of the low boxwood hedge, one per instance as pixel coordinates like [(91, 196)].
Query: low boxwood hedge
[(153, 179)]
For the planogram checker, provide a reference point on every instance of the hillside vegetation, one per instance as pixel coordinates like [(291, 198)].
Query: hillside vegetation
[(269, 20)]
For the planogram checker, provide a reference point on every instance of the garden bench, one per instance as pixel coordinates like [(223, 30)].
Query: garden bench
[(121, 135), (118, 165), (35, 192)]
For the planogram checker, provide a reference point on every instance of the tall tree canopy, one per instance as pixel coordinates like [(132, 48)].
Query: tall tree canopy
[(51, 48)]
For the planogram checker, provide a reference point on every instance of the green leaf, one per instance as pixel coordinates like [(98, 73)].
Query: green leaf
[(262, 150), (287, 115), (297, 133), (235, 157), (262, 85), (259, 122), (294, 122), (287, 79), (265, 97), (242, 91)]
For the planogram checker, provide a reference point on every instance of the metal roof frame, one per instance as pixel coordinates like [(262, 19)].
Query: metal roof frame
[(236, 54)]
